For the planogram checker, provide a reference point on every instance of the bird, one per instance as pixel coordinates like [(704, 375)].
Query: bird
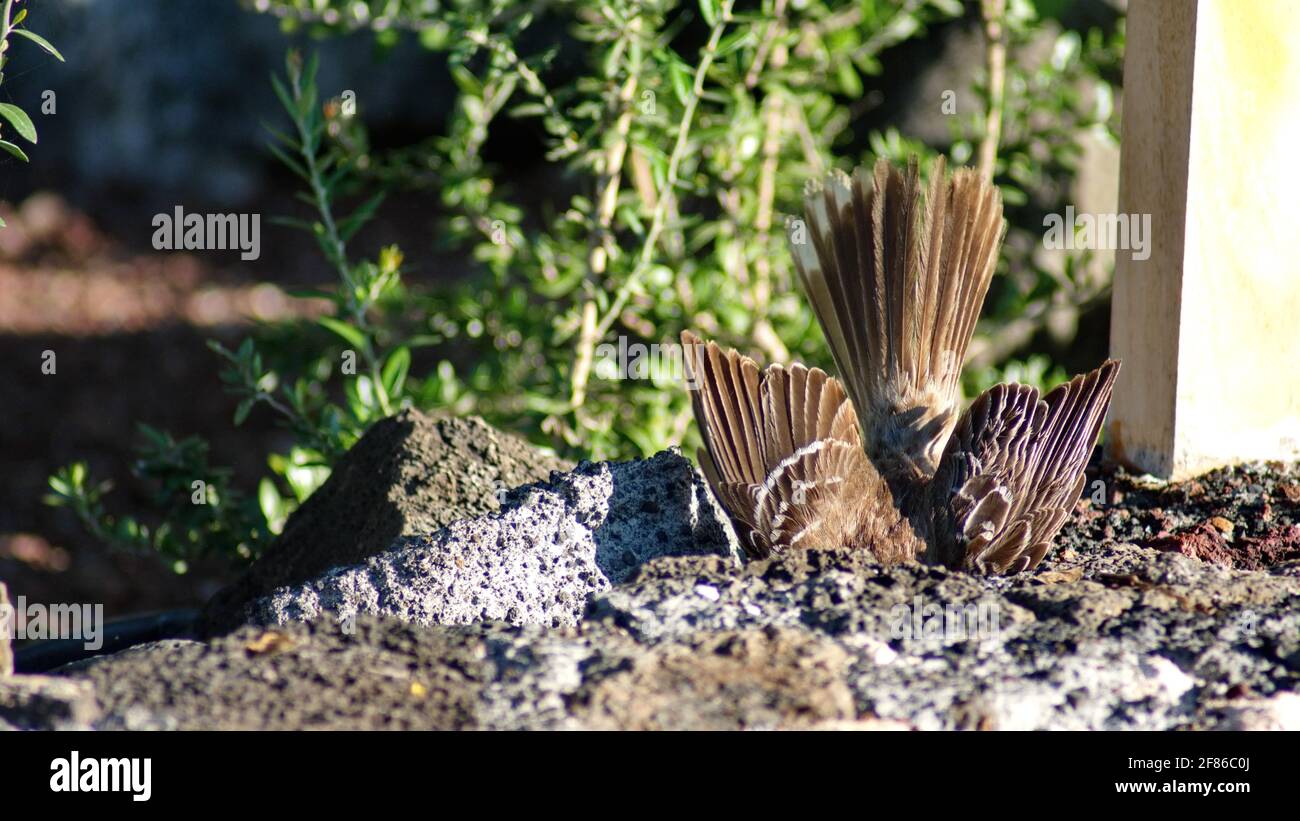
[(882, 458)]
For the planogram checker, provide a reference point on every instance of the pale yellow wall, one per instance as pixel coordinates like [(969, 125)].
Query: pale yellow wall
[(1239, 358)]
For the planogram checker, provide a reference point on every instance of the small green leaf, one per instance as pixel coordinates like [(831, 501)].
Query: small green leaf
[(282, 93), (268, 499), (528, 110), (348, 227), (849, 81), (424, 340), (308, 293), (709, 9), (466, 81), (241, 412), (350, 334), (361, 398), (735, 41), (13, 149), (40, 41), (395, 370), (19, 120), (680, 77), (289, 162)]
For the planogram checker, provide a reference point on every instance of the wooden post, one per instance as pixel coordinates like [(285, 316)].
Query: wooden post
[(1208, 325)]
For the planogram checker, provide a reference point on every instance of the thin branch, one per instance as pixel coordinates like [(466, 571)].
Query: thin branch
[(532, 83), (764, 334), (307, 142), (993, 11), (607, 201), (771, 32)]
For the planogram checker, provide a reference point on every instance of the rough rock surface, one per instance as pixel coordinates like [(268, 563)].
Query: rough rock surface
[(1113, 631), (410, 474), (46, 703), (535, 562)]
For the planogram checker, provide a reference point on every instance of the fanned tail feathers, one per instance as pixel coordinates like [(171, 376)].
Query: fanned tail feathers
[(897, 282)]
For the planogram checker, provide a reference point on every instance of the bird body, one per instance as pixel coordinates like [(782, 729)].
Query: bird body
[(883, 460)]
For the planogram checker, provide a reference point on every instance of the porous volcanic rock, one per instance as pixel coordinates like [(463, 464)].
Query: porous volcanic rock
[(821, 639), (410, 474), (1111, 632), (46, 703), (537, 561)]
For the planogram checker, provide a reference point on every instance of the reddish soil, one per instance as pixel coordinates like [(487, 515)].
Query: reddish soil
[(1245, 517), (1206, 543)]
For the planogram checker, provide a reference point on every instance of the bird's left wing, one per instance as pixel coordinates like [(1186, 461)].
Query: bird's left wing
[(1013, 470)]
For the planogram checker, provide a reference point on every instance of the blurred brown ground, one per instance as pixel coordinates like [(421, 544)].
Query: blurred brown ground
[(129, 330)]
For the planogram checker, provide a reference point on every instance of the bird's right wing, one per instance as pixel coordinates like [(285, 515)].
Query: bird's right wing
[(1012, 472), (781, 445)]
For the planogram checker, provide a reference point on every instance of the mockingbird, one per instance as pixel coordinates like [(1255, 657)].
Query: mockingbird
[(881, 459)]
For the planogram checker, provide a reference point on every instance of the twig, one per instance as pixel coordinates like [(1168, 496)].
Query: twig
[(670, 181), (306, 150), (607, 201), (764, 334), (993, 12), (807, 141), (6, 25), (771, 32)]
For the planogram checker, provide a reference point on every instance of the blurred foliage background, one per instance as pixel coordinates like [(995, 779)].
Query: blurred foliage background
[(663, 143)]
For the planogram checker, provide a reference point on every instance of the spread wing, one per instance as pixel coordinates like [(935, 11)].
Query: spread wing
[(1013, 470), (780, 445)]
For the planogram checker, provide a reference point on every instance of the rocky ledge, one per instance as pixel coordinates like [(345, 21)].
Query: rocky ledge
[(610, 597)]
